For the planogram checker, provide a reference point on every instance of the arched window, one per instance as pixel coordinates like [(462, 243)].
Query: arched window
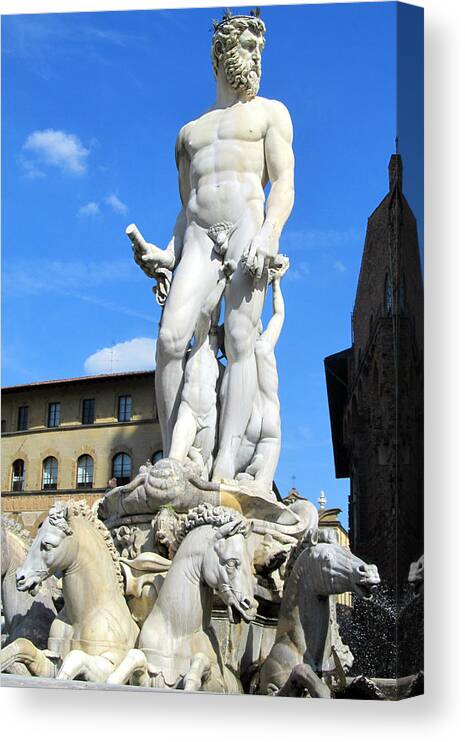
[(17, 483), (388, 297), (121, 469), (156, 457), (50, 473), (85, 472)]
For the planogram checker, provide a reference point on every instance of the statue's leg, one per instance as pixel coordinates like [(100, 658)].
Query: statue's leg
[(195, 277), (183, 433), (93, 668), (24, 651), (61, 633), (199, 671), (265, 461), (301, 679), (133, 668), (244, 304)]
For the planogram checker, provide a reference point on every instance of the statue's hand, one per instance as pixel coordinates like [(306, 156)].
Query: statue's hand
[(257, 258), (147, 256)]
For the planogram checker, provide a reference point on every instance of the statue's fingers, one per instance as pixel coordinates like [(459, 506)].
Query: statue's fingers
[(251, 256), (260, 263)]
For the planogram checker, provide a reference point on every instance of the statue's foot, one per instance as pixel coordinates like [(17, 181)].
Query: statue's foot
[(303, 681)]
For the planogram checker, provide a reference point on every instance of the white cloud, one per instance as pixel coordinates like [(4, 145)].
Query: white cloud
[(116, 204), (340, 267), (137, 354), (31, 171), (56, 149), (90, 209), (301, 271)]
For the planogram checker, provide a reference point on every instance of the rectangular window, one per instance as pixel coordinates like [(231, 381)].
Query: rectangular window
[(53, 415), (23, 418), (124, 408), (88, 411)]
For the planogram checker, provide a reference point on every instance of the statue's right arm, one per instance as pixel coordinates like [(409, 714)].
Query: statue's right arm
[(273, 330), (183, 165)]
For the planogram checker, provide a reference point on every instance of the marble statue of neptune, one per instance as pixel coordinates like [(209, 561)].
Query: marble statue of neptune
[(225, 158)]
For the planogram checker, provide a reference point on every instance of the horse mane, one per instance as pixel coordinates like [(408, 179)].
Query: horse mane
[(59, 515), (320, 536), (206, 514), (15, 528)]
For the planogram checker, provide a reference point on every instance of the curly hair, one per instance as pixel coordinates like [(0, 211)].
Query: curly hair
[(59, 515), (14, 527), (206, 514), (227, 33)]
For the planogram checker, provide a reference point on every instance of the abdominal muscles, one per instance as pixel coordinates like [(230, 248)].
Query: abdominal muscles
[(225, 182)]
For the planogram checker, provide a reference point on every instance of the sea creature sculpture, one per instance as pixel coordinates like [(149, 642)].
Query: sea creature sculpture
[(295, 662), (25, 615), (75, 543), (177, 646)]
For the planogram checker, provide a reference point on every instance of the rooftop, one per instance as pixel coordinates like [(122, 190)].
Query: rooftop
[(76, 380)]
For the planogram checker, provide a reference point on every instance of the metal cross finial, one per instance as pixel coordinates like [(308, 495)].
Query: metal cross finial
[(112, 357), (322, 500)]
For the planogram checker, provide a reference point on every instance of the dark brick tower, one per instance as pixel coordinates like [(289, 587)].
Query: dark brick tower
[(375, 393)]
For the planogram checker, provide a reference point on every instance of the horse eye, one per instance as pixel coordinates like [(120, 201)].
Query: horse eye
[(232, 563), (47, 546)]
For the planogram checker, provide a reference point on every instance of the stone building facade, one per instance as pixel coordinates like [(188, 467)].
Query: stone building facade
[(69, 438), (375, 393)]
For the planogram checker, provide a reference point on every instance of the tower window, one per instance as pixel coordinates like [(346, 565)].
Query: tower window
[(402, 295), (388, 297)]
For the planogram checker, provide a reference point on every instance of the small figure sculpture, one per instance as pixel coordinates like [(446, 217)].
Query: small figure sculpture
[(195, 430), (263, 433)]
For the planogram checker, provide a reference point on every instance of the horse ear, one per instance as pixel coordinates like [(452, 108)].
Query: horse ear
[(314, 536), (228, 529), (224, 530), (248, 528)]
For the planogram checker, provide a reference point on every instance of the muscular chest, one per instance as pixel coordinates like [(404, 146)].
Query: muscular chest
[(241, 124)]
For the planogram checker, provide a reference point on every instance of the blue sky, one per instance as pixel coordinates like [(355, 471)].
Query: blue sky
[(92, 104)]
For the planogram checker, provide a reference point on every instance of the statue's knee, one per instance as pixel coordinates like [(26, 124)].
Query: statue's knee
[(239, 343), (24, 646), (171, 344)]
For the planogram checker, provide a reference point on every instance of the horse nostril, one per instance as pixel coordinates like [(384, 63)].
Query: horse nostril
[(20, 578), (245, 602)]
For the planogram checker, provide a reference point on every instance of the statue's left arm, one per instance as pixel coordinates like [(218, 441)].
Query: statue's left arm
[(279, 159)]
